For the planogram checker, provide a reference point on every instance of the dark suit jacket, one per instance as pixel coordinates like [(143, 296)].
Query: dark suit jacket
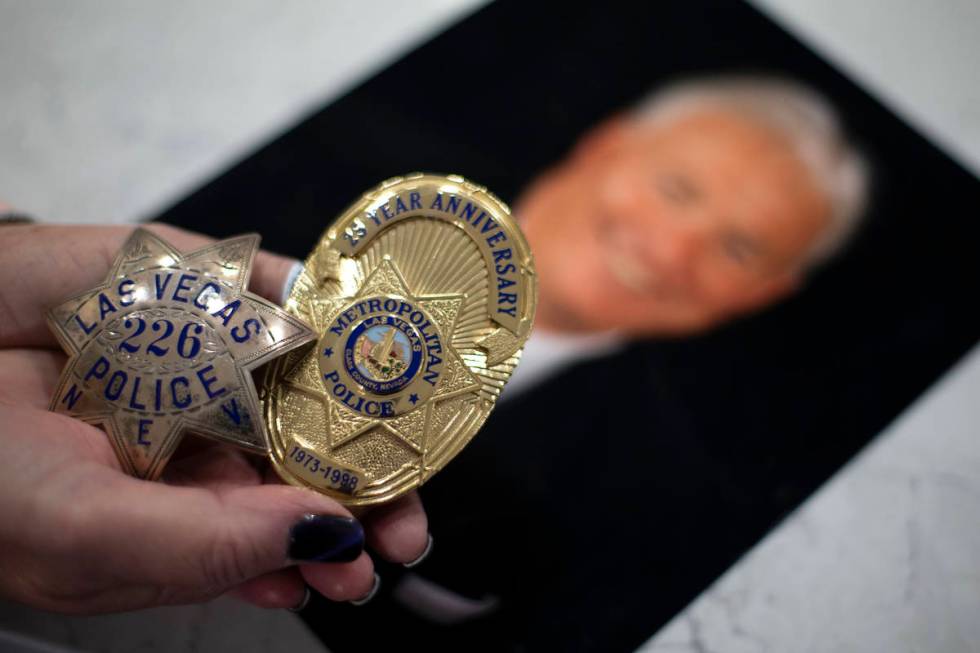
[(598, 504)]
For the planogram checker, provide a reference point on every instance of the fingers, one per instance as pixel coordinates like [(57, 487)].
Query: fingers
[(29, 376), (288, 588), (348, 582), (211, 465), (185, 544), (87, 538), (250, 531), (398, 531), (45, 264), (278, 589)]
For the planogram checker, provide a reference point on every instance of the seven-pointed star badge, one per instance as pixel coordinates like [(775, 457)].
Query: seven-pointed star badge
[(388, 361), (167, 345)]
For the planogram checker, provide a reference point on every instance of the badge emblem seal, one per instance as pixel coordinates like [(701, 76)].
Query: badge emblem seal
[(422, 294), (166, 345)]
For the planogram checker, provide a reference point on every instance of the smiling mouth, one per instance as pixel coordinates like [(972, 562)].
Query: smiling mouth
[(624, 262)]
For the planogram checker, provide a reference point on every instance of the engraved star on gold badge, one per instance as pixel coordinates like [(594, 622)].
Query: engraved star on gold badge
[(409, 429), (167, 345)]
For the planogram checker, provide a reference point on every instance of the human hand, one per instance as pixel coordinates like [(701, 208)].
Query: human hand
[(78, 535)]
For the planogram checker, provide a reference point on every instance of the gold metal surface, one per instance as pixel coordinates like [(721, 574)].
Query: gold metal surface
[(167, 344), (422, 294)]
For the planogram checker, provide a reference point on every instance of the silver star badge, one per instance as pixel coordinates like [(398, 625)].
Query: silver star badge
[(167, 345)]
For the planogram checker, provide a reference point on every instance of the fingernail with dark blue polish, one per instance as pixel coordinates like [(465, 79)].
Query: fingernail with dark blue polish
[(326, 538)]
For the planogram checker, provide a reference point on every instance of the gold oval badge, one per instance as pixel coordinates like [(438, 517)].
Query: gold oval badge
[(423, 294)]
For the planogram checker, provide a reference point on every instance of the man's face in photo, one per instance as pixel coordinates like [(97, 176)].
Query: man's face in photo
[(668, 227)]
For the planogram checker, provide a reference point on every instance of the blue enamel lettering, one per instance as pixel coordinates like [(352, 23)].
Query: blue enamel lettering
[(207, 290), (115, 385), (87, 328), (496, 238), (105, 306), (207, 380), (228, 311), (184, 400), (125, 291), (468, 212), (98, 369), (247, 330), (71, 396), (453, 205), (144, 429), (161, 287), (182, 287), (400, 206), (231, 409), (135, 405)]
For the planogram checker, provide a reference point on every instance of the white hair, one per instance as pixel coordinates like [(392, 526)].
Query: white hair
[(801, 115)]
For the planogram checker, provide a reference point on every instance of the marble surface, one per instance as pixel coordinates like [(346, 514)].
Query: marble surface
[(222, 625), (918, 58), (885, 557), (111, 110)]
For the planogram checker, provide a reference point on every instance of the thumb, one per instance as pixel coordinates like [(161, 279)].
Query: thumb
[(274, 276), (182, 544)]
